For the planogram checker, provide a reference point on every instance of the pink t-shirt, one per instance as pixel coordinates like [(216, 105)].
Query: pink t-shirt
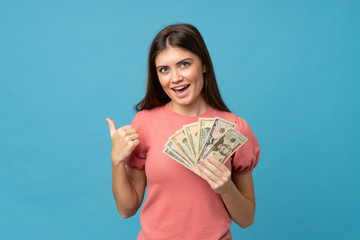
[(180, 204)]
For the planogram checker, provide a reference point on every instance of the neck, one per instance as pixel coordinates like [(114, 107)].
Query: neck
[(191, 110)]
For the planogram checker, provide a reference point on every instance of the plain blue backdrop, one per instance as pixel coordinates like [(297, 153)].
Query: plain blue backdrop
[(289, 68)]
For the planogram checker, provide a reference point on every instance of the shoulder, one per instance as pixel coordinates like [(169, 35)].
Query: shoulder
[(146, 116), (241, 125), (148, 112), (229, 116)]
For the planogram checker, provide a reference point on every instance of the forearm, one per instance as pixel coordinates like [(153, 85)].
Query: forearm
[(126, 198), (240, 208)]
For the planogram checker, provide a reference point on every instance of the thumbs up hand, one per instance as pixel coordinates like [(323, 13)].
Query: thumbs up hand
[(124, 140)]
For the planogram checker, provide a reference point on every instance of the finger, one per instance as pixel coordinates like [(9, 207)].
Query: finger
[(222, 172), (132, 137), (129, 130), (211, 168), (218, 164), (134, 144), (112, 126), (209, 174), (206, 175), (126, 130)]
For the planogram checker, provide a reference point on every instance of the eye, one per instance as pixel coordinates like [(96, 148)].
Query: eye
[(163, 69), (184, 64)]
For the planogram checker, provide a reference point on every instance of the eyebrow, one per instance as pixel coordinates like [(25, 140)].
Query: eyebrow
[(183, 60)]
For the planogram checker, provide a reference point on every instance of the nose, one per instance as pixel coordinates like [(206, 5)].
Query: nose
[(176, 77)]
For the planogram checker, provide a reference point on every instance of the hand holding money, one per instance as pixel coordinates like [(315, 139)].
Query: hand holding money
[(216, 174), (213, 138), (124, 140)]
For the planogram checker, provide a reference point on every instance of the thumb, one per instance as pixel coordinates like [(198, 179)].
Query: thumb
[(112, 126)]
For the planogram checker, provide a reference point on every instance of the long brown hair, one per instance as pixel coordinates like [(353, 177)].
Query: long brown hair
[(188, 37)]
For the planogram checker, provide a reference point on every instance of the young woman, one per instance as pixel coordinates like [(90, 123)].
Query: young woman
[(181, 205)]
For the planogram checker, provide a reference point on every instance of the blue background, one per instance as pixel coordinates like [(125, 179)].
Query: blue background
[(289, 68)]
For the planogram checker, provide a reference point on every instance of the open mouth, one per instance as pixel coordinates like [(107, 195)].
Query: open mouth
[(181, 88)]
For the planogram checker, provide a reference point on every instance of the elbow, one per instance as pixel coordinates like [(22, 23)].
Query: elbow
[(123, 215), (126, 214), (247, 223), (248, 219)]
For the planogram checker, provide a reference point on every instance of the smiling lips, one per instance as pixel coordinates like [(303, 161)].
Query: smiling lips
[(180, 88)]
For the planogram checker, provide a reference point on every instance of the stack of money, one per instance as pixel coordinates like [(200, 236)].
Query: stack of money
[(208, 137)]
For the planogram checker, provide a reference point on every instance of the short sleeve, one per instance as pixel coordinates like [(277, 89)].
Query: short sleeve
[(247, 156), (138, 157)]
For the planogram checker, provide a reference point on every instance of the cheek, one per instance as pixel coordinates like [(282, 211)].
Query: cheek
[(163, 81), (195, 77), (200, 82)]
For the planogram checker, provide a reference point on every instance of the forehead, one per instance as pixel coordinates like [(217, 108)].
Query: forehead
[(172, 55)]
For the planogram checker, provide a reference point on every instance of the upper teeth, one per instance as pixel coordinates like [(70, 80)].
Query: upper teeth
[(181, 87)]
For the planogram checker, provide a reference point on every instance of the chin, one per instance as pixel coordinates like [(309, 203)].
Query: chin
[(183, 102)]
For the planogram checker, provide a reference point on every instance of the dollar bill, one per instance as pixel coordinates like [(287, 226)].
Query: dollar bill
[(191, 131), (219, 127), (226, 145), (179, 139), (171, 151), (209, 137), (204, 126)]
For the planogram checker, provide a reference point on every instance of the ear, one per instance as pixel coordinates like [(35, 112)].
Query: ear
[(204, 69)]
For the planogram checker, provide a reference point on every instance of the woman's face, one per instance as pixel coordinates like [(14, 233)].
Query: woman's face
[(180, 73)]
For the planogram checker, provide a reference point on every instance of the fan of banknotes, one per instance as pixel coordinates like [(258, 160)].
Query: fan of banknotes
[(208, 137)]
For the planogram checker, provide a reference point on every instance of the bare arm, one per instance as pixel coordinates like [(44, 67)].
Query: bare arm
[(128, 184), (237, 194), (240, 200)]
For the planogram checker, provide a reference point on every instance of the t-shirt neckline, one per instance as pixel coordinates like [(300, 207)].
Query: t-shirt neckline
[(168, 110)]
